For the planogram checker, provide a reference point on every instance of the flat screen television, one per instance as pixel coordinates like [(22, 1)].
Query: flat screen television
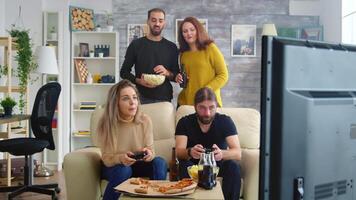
[(308, 120)]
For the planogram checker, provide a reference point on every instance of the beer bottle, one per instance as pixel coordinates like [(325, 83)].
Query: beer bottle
[(184, 77), (173, 166)]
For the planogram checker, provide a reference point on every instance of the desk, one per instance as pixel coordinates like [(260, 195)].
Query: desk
[(6, 135), (200, 193)]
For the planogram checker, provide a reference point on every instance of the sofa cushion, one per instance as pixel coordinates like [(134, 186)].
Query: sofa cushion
[(247, 122)]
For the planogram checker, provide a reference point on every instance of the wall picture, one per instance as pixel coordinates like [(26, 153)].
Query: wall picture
[(81, 19), (288, 32), (204, 22), (243, 40), (135, 31), (312, 33)]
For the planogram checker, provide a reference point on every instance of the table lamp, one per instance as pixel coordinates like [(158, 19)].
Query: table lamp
[(269, 29), (47, 64), (46, 60)]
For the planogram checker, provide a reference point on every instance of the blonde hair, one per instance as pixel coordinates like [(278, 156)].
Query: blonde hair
[(110, 120)]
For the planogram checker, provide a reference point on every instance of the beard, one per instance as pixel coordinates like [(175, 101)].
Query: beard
[(205, 120), (155, 32)]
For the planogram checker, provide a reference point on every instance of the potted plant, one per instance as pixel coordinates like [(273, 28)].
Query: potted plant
[(91, 53), (53, 33), (98, 28), (25, 60), (8, 103)]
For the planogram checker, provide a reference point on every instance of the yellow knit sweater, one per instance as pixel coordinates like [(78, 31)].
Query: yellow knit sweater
[(205, 68)]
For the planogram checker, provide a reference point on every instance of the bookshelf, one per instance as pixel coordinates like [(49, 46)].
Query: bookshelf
[(88, 87)]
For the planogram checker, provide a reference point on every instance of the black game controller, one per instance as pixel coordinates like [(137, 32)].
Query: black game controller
[(138, 155), (208, 150)]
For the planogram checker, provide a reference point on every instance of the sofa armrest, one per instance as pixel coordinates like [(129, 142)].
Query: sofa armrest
[(250, 173), (82, 174)]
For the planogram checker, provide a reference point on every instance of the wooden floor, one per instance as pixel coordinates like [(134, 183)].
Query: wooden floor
[(58, 177)]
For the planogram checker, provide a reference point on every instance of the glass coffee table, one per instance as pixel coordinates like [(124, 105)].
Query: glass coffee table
[(200, 193)]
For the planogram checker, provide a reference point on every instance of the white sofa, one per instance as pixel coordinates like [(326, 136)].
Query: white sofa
[(82, 167)]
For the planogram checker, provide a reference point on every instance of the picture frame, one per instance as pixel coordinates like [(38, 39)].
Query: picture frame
[(288, 32), (83, 49), (204, 22), (135, 31), (81, 19), (312, 33), (243, 40)]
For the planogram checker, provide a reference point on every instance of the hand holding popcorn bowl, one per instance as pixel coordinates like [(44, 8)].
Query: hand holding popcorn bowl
[(193, 172), (154, 79)]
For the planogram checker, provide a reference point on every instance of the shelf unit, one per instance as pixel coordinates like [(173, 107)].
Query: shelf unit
[(93, 92), (9, 45), (52, 36)]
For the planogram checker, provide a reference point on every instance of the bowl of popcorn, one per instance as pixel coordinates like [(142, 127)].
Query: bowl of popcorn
[(154, 79)]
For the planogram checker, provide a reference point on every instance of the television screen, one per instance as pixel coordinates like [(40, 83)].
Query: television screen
[(308, 120)]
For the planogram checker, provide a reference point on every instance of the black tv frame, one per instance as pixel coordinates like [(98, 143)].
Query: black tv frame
[(271, 113)]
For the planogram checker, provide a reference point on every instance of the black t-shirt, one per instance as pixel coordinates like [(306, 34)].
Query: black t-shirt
[(146, 54), (221, 127)]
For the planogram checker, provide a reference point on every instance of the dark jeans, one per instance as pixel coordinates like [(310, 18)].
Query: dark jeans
[(229, 171), (155, 170)]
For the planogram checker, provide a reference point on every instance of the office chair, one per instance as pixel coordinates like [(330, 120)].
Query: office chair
[(41, 119)]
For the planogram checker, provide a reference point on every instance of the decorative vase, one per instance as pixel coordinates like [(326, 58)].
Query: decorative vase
[(53, 36), (8, 111), (109, 28)]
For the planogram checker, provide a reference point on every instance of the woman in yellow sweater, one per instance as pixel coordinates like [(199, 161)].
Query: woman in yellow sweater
[(123, 130), (202, 60)]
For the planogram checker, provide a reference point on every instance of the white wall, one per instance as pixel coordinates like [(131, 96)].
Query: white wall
[(2, 17), (349, 21), (330, 17), (329, 12), (98, 6)]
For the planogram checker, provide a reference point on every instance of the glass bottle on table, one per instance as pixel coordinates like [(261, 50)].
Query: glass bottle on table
[(173, 167), (205, 172), (212, 162)]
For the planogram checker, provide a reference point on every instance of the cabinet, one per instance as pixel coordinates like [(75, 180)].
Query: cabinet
[(87, 90), (52, 36), (8, 45)]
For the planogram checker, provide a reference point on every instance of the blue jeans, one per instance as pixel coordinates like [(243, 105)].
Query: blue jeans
[(155, 170), (229, 171)]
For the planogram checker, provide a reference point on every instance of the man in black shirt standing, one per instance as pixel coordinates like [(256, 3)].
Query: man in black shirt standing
[(207, 129), (152, 54)]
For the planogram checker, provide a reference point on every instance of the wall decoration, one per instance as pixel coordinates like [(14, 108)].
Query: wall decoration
[(288, 32), (312, 33), (307, 33), (204, 22), (82, 70), (135, 31), (243, 40), (81, 19), (83, 50)]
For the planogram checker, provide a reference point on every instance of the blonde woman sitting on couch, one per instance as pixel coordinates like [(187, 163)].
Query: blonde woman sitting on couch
[(126, 140)]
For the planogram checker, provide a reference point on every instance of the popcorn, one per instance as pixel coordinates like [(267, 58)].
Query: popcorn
[(154, 79)]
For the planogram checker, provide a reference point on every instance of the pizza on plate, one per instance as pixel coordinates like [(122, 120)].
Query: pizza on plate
[(181, 186)]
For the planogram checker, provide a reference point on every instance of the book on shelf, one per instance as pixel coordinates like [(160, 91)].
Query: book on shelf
[(82, 132), (87, 108), (88, 103)]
